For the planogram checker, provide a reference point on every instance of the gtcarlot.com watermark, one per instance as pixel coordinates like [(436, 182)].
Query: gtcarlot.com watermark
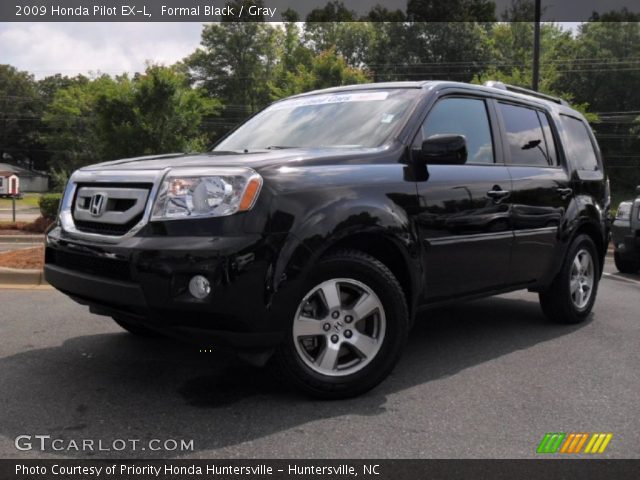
[(45, 443)]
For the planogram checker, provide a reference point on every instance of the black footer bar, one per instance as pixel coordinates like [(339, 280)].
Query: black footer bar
[(65, 469)]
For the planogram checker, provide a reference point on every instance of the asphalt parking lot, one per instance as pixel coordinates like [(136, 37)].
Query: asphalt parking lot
[(481, 379)]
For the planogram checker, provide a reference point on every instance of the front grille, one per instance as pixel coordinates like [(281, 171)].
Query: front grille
[(106, 228), (93, 265), (121, 209)]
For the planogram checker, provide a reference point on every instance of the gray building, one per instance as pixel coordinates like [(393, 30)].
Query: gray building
[(30, 180)]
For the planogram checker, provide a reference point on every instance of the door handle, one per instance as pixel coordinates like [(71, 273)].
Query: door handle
[(497, 194), (565, 192)]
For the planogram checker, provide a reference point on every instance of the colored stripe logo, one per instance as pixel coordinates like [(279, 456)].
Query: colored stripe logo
[(574, 442)]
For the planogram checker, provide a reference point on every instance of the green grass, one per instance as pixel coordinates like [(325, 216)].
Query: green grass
[(28, 200)]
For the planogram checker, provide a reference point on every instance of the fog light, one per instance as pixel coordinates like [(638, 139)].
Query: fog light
[(199, 287)]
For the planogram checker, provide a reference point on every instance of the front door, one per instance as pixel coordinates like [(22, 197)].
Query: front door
[(463, 220), (14, 186)]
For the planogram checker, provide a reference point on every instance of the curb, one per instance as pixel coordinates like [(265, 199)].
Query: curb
[(21, 238), (21, 277)]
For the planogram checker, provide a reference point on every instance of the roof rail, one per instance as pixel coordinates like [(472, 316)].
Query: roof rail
[(524, 91)]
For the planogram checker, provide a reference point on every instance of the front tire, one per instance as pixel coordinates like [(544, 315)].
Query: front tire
[(348, 327), (625, 266), (571, 296)]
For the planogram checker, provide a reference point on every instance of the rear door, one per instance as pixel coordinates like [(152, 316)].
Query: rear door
[(462, 219), (541, 190)]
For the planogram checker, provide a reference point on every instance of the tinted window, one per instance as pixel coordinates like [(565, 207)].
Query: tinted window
[(467, 117), (578, 144), (548, 137), (524, 135)]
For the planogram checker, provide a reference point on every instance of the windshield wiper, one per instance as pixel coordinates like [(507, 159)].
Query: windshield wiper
[(278, 147)]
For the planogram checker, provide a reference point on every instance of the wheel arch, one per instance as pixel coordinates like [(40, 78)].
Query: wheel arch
[(383, 233), (390, 253), (592, 230)]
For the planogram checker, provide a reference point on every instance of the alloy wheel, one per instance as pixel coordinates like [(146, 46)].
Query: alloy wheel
[(581, 279), (339, 327)]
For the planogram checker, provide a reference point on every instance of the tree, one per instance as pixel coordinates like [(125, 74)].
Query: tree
[(327, 70), (602, 68), (512, 50), (235, 62), (20, 110), (294, 55), (445, 51), (451, 11), (70, 122), (321, 30), (108, 118), (48, 86)]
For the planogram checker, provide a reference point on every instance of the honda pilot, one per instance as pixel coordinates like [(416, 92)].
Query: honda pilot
[(312, 236)]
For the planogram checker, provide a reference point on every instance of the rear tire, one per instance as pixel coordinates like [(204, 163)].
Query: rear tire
[(136, 329), (571, 296), (347, 330), (625, 266)]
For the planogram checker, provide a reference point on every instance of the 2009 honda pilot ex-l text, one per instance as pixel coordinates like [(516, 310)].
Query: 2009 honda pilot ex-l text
[(313, 234)]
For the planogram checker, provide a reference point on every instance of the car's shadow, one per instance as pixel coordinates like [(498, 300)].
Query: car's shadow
[(116, 386)]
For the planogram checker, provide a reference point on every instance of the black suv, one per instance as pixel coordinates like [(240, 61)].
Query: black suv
[(626, 236), (314, 233)]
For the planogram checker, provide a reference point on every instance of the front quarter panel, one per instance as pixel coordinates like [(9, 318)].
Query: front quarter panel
[(320, 206)]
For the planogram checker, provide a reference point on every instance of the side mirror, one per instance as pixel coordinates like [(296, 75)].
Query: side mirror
[(444, 149), (638, 189)]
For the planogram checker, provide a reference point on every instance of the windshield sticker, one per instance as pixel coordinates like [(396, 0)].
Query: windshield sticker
[(387, 118), (329, 99)]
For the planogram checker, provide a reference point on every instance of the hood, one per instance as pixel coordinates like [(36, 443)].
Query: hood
[(256, 160)]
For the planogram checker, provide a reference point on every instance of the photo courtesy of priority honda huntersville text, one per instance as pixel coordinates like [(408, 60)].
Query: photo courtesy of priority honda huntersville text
[(310, 236)]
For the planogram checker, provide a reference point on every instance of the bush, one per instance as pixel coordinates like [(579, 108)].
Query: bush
[(49, 204)]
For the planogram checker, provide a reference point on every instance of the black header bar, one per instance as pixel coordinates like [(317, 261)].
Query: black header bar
[(316, 10)]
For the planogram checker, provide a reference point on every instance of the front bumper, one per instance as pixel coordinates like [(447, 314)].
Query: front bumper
[(626, 241), (145, 280)]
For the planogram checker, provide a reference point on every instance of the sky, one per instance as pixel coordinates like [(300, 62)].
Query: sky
[(113, 48)]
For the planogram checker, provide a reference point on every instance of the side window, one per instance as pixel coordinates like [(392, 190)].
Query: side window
[(548, 136), (578, 146), (524, 135), (467, 117)]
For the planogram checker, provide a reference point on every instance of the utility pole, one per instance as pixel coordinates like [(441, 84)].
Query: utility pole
[(536, 46)]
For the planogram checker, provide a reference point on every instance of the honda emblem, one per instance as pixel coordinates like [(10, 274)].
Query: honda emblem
[(98, 204)]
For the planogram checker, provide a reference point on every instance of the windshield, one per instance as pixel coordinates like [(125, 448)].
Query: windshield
[(363, 118)]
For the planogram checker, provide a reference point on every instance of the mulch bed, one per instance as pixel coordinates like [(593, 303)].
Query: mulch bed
[(26, 258)]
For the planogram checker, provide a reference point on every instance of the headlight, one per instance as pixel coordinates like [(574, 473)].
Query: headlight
[(206, 192), (624, 211)]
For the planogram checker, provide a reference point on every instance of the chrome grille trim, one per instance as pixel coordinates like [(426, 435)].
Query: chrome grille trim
[(94, 179), (83, 209)]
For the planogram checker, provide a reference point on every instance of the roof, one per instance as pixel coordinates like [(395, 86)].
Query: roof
[(365, 86), (21, 172), (430, 84), (7, 174)]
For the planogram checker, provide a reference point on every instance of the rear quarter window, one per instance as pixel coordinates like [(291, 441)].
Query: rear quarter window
[(578, 145)]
